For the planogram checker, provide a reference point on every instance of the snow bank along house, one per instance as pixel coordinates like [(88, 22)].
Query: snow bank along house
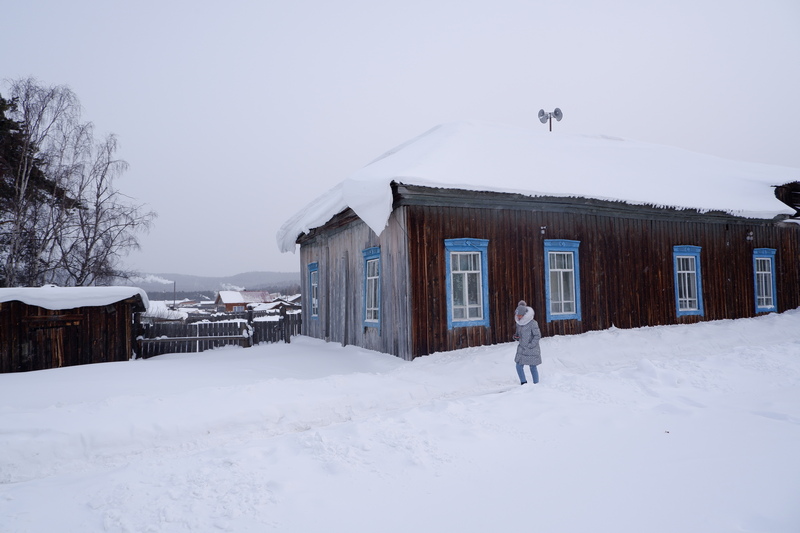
[(429, 247), (50, 327)]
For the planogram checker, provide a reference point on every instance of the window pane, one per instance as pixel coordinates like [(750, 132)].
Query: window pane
[(555, 293), (455, 262), (458, 289), (466, 265), (568, 286), (473, 289)]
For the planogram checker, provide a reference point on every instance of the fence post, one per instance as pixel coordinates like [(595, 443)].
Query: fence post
[(287, 332), (247, 340)]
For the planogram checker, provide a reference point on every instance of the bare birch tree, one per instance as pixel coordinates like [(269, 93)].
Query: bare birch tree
[(66, 224)]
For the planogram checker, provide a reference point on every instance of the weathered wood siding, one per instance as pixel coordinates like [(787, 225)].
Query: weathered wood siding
[(626, 265), (33, 338), (337, 248)]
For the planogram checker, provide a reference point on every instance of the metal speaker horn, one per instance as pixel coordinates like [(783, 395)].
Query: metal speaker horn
[(543, 116), (557, 114)]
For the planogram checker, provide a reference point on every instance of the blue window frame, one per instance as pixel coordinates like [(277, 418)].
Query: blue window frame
[(372, 287), (688, 280), (563, 280), (313, 289), (764, 280), (466, 263)]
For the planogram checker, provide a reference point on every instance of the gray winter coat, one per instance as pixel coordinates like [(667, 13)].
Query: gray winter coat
[(528, 352)]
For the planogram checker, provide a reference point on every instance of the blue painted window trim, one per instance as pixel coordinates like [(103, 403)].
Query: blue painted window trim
[(688, 251), (562, 245), (468, 245), (371, 254), (765, 253), (313, 309)]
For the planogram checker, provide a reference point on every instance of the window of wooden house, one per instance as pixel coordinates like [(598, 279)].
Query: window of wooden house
[(372, 287), (562, 271), (764, 276), (688, 280), (313, 289), (467, 282)]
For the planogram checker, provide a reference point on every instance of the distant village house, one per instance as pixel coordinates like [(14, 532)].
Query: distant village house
[(236, 301)]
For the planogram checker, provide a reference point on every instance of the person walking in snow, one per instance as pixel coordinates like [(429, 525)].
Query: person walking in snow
[(528, 335)]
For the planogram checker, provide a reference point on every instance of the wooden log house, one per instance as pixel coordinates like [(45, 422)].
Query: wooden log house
[(456, 252), (51, 327)]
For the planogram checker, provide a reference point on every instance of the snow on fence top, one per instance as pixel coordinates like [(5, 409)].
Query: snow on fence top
[(487, 157), (57, 298)]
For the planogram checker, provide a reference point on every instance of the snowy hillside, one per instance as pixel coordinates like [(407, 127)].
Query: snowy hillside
[(184, 282), (666, 429)]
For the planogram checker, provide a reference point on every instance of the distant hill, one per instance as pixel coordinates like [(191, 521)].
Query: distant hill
[(185, 283)]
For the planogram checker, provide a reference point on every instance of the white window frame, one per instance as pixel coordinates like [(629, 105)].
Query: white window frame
[(313, 289), (688, 281), (461, 302), (372, 287), (764, 283), (559, 281)]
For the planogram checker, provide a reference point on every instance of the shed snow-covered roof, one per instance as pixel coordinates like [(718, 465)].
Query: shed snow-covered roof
[(57, 298), (534, 162)]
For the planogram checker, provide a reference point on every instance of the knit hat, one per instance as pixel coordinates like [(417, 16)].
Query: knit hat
[(522, 308)]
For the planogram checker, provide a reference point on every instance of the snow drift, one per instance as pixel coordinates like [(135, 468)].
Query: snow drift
[(673, 428)]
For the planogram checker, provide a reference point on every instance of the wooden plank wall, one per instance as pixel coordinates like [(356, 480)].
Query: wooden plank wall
[(341, 277), (626, 269), (34, 338)]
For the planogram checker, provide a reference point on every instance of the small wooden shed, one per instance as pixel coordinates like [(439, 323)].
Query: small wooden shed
[(51, 327)]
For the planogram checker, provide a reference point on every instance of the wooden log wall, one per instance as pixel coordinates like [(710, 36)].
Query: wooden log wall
[(338, 251), (626, 268), (34, 338)]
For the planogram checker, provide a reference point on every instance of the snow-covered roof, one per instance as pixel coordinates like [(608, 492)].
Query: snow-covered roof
[(57, 298), (243, 297), (534, 162)]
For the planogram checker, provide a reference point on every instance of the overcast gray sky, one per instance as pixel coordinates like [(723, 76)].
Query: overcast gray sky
[(233, 115)]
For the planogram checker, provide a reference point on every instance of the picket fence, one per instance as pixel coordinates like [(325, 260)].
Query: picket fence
[(188, 337)]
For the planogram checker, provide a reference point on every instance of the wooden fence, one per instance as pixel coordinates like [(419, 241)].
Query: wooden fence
[(188, 337)]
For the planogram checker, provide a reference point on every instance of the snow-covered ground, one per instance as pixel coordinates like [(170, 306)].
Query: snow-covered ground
[(665, 429)]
